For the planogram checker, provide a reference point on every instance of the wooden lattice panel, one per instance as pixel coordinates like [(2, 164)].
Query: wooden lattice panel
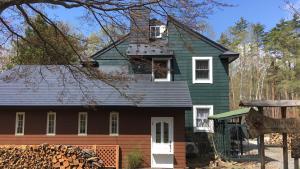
[(109, 154)]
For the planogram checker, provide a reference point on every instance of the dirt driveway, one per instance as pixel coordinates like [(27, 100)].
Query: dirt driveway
[(274, 160)]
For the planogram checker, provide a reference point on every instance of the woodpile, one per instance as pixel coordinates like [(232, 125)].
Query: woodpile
[(48, 156), (276, 139)]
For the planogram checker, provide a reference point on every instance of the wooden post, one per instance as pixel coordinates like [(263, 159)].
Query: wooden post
[(241, 140), (262, 151), (284, 142), (262, 145), (296, 163)]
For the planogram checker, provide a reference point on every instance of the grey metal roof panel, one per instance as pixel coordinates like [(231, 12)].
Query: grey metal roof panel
[(229, 55), (56, 86), (148, 49)]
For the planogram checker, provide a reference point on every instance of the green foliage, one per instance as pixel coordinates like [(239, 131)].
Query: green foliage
[(283, 43), (224, 40), (46, 45), (269, 62), (134, 159)]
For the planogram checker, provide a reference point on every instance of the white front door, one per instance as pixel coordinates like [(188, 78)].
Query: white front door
[(162, 143)]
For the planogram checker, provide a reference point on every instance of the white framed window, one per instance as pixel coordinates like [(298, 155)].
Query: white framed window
[(114, 123), (51, 123), (161, 69), (82, 123), (202, 68), (20, 123), (156, 31), (200, 116)]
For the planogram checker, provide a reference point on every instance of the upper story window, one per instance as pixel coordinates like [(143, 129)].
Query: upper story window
[(202, 70), (51, 123), (20, 123), (114, 123), (157, 31), (161, 69), (82, 123), (200, 116)]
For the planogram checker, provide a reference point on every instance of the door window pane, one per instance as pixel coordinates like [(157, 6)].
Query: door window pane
[(166, 132), (158, 132)]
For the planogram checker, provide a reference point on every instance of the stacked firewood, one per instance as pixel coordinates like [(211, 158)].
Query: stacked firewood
[(276, 139), (48, 156)]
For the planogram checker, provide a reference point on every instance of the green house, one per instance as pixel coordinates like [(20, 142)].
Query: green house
[(173, 51)]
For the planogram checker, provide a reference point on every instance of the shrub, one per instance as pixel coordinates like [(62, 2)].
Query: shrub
[(134, 159)]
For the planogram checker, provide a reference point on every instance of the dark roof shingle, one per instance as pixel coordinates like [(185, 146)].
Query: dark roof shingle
[(56, 86)]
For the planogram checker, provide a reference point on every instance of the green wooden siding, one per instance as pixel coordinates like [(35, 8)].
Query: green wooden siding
[(113, 56), (186, 46)]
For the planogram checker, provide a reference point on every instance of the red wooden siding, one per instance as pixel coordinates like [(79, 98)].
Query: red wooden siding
[(134, 129)]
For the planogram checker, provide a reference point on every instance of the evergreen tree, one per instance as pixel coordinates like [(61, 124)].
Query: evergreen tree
[(52, 48), (283, 44)]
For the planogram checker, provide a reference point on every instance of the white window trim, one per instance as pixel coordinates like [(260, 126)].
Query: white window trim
[(16, 125), (211, 123), (86, 124), (210, 62), (48, 114), (160, 33), (110, 124), (168, 79)]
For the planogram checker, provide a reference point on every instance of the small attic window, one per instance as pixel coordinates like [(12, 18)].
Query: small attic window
[(155, 32)]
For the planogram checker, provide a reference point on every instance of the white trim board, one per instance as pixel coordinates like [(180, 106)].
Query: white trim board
[(169, 69), (210, 65), (47, 132), (16, 124), (209, 129), (110, 123), (86, 123)]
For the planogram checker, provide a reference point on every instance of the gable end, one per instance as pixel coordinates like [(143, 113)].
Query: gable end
[(197, 34), (110, 46)]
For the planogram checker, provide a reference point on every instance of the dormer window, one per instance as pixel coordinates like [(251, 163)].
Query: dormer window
[(156, 31), (161, 69)]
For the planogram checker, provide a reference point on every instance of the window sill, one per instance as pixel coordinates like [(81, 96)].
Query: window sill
[(50, 134), (19, 134), (82, 134), (202, 82), (114, 135), (161, 80), (202, 130)]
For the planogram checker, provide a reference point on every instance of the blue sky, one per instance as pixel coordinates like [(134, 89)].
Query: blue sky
[(266, 12)]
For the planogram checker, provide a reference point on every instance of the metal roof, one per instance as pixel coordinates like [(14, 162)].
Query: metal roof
[(148, 49), (57, 86), (230, 114)]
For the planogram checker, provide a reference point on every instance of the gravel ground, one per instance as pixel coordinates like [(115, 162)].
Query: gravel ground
[(275, 158)]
